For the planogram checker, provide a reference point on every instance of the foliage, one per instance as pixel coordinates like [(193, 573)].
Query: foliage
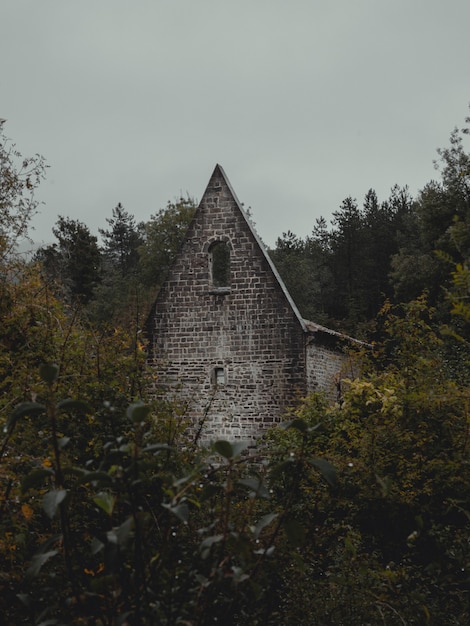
[(164, 234), (73, 262), (397, 249), (352, 513), (141, 534), (19, 179), (440, 222), (120, 298), (389, 545), (457, 331), (122, 240), (340, 277), (135, 259), (36, 327), (303, 265), (356, 513)]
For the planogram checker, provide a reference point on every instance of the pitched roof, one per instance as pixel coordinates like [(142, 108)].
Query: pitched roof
[(219, 171), (313, 328)]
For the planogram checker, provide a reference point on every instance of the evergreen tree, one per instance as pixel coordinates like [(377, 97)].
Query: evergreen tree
[(436, 232), (304, 267), (122, 240), (318, 251), (291, 262), (74, 261), (382, 223), (118, 299), (348, 244)]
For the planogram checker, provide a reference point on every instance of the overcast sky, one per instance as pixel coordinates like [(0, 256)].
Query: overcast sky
[(303, 102)]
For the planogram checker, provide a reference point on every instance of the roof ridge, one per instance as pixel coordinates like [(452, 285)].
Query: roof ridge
[(220, 169)]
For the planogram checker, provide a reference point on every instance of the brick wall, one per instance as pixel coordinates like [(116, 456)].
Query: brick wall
[(330, 357), (325, 367), (250, 332)]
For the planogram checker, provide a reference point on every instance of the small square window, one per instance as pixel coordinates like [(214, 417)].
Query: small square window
[(218, 377)]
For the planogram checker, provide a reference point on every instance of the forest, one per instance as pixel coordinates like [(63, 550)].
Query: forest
[(351, 513)]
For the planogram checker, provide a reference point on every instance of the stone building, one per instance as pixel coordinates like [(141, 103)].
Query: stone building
[(225, 335)]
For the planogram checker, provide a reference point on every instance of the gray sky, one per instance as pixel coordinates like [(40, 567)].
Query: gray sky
[(303, 102)]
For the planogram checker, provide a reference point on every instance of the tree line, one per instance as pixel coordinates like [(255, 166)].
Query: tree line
[(119, 276), (352, 513), (339, 275), (396, 249)]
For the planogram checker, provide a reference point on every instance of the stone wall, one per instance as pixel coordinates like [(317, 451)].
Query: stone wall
[(235, 353), (330, 357), (325, 369)]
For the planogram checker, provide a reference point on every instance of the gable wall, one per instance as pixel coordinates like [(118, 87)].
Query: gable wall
[(252, 332)]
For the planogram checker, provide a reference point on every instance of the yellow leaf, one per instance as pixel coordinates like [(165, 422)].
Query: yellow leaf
[(27, 511)]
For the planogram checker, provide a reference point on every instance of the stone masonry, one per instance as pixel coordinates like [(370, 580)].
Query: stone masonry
[(226, 337)]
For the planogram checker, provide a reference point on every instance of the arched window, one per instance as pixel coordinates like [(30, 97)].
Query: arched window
[(219, 263)]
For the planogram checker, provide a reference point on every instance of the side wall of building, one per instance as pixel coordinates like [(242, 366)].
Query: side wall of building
[(235, 355), (326, 366)]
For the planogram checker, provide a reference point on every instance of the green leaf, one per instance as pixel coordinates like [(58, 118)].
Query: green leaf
[(99, 479), (202, 580), (209, 491), (256, 485), (96, 545), (280, 468), (263, 522), (35, 478), (23, 410), (183, 480), (38, 561), (49, 372), (25, 599), (138, 412), (265, 551), (239, 575), (121, 534), (181, 510), (62, 442), (76, 472), (207, 544), (327, 470), (105, 501), (298, 424), (224, 448), (52, 500)]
